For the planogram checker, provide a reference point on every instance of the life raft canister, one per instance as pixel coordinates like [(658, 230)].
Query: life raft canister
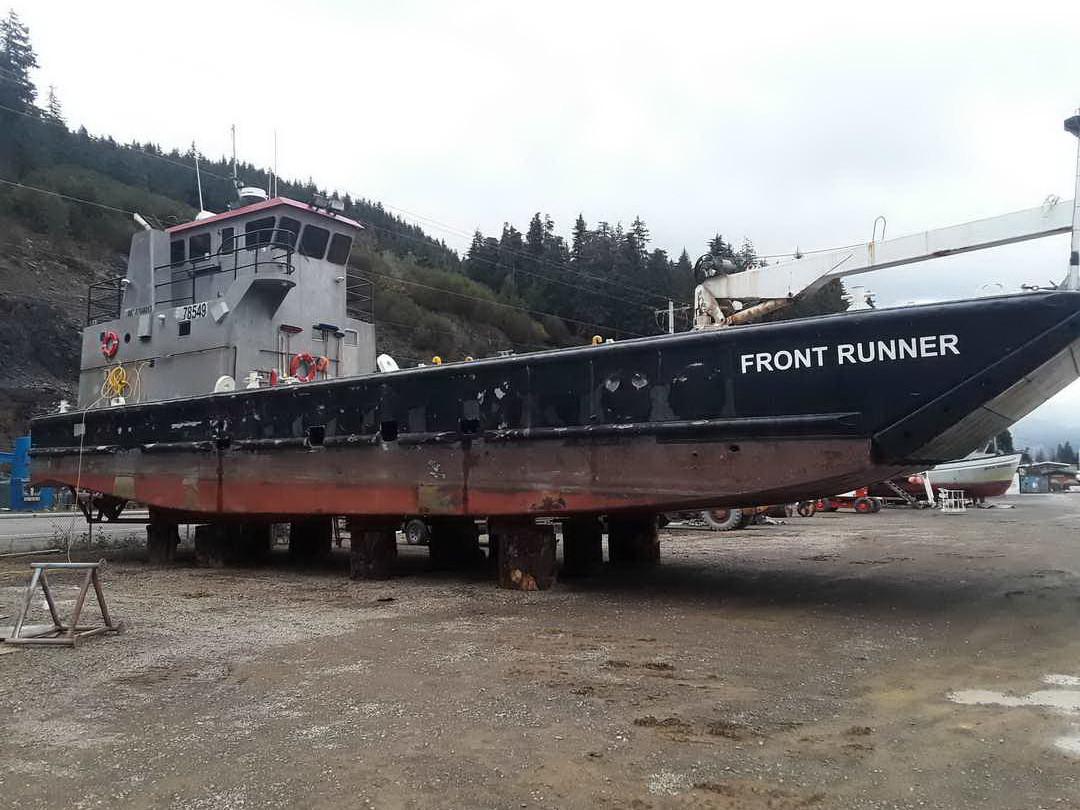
[(312, 366), (110, 344)]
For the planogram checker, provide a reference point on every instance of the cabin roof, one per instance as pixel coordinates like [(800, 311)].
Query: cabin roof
[(274, 202)]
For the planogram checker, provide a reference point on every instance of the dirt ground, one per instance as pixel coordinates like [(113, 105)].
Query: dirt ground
[(829, 662)]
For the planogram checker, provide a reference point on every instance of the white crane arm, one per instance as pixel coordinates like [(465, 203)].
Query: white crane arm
[(811, 273)]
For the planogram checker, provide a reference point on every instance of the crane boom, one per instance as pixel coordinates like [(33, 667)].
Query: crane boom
[(809, 274)]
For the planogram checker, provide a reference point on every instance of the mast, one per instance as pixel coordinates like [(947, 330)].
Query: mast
[(198, 176), (235, 178)]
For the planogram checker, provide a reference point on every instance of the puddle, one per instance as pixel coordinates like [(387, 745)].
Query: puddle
[(1070, 745), (1061, 680), (1067, 700)]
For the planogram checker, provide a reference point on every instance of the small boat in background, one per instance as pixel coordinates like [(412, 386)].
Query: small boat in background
[(980, 475)]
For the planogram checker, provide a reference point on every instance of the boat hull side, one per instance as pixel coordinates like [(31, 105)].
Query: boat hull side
[(479, 478)]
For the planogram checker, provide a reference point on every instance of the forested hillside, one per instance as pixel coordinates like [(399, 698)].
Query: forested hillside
[(67, 198)]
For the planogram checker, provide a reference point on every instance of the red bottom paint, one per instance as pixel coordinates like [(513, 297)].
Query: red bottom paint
[(537, 478)]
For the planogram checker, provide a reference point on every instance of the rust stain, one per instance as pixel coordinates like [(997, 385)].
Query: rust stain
[(523, 581), (551, 502)]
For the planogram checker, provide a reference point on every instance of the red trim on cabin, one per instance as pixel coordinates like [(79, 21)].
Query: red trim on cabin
[(262, 206)]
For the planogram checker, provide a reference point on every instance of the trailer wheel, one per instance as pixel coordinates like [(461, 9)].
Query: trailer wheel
[(723, 520), (864, 506), (807, 508), (416, 532), (877, 504)]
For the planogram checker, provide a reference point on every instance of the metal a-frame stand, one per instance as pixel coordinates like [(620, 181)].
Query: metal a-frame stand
[(60, 633)]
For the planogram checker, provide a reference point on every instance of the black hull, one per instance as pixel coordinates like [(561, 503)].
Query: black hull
[(734, 416)]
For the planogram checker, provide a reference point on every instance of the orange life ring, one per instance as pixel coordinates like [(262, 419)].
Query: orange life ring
[(110, 344), (310, 367)]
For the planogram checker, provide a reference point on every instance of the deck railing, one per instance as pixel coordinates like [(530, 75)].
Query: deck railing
[(268, 250)]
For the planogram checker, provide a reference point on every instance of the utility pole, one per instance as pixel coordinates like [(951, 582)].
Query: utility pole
[(670, 317), (1072, 126)]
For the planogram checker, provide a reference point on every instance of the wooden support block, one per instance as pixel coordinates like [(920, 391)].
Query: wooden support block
[(162, 538), (583, 546), (454, 543), (252, 543), (310, 540), (633, 540), (373, 548), (526, 553), (211, 545)]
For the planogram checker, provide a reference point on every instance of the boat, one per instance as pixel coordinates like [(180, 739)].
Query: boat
[(978, 475), (762, 413), (225, 380)]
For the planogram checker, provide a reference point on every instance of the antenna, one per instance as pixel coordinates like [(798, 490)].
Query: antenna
[(275, 164), (235, 179), (198, 177)]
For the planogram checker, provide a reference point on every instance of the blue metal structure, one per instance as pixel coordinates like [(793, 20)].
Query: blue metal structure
[(23, 497)]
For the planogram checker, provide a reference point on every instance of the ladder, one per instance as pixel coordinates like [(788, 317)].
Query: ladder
[(902, 493)]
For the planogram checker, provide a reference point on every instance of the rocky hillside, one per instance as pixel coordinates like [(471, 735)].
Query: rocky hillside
[(42, 309)]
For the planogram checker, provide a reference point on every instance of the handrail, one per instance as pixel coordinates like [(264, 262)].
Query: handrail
[(103, 300), (359, 298), (264, 240)]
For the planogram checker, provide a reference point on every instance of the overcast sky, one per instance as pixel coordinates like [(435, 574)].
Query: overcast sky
[(793, 124)]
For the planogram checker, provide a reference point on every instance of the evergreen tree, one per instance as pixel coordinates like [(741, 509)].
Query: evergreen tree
[(579, 239), (638, 236), (17, 59), (682, 278), (746, 256), (721, 249), (54, 111), (1065, 454), (534, 238)]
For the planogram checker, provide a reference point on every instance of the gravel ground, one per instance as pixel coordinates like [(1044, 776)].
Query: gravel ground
[(905, 659)]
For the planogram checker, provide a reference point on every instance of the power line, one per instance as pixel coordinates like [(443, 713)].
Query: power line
[(384, 275), (133, 147), (426, 241), (372, 225), (641, 304), (500, 304), (67, 197), (799, 253), (558, 265), (403, 324)]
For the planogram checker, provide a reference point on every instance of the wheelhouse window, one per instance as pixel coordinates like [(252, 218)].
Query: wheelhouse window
[(313, 241), (226, 241), (199, 246), (352, 337), (177, 252), (340, 246), (258, 232), (287, 232)]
